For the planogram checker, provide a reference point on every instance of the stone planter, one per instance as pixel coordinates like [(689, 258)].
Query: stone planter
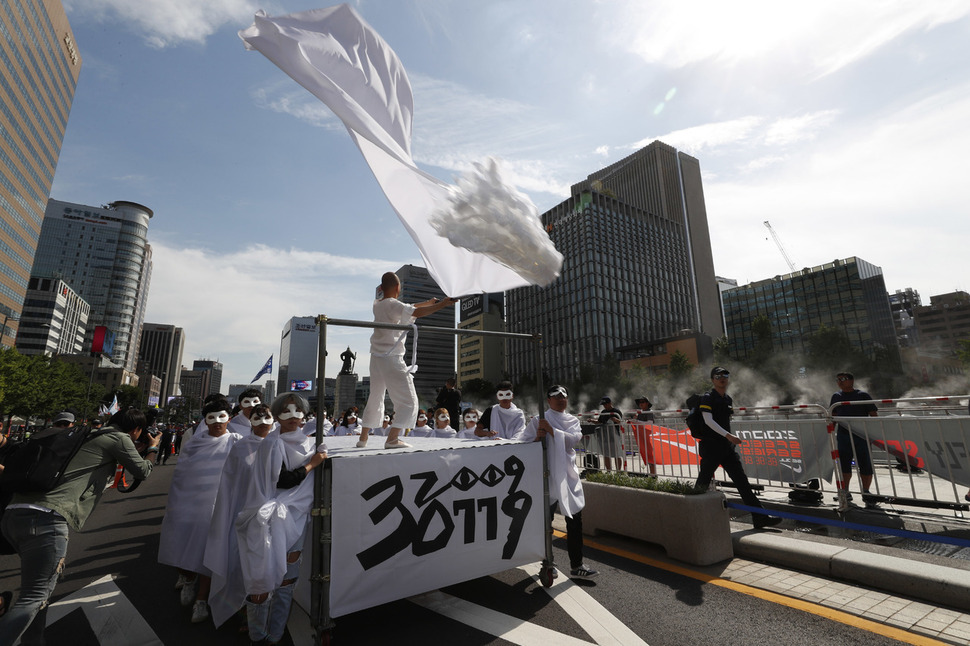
[(694, 529)]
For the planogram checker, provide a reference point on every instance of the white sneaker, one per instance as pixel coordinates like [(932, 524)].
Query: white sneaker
[(187, 593), (200, 612)]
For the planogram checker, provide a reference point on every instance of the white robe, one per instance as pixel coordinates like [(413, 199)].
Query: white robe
[(276, 518), (421, 431), (191, 497), (311, 427), (446, 433), (240, 425), (348, 430), (506, 422), (565, 486), (237, 491), (469, 434)]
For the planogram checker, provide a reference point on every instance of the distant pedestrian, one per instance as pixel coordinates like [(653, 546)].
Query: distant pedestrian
[(853, 445), (449, 398), (609, 434), (645, 419)]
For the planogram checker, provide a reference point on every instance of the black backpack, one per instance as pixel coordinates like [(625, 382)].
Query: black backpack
[(38, 465), (695, 420)]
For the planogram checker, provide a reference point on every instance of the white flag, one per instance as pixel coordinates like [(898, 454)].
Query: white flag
[(342, 61)]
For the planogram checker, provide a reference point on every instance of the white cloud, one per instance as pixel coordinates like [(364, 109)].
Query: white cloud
[(789, 130), (697, 139), (817, 38), (167, 22), (233, 304), (286, 97)]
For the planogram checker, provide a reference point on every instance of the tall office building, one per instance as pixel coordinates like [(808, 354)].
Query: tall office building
[(214, 368), (104, 255), (39, 67), (436, 351), (637, 267), (481, 357), (161, 348), (849, 295), (298, 355), (903, 304), (944, 322), (54, 319)]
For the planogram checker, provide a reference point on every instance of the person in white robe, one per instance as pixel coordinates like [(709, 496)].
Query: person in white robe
[(310, 429), (561, 433), (469, 420), (442, 425), (421, 428), (237, 491), (382, 431), (270, 529), (504, 420), (349, 423), (191, 498), (239, 423)]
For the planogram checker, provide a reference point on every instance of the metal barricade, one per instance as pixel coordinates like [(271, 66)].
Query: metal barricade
[(920, 448)]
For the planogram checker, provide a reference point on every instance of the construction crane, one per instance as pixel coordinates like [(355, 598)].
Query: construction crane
[(781, 247)]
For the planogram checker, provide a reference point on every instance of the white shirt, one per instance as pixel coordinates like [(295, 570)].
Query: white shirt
[(390, 343)]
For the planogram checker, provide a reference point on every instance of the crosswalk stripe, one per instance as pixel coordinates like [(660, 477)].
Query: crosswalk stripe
[(112, 617)]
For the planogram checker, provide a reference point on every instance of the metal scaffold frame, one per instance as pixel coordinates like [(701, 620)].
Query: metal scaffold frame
[(321, 519)]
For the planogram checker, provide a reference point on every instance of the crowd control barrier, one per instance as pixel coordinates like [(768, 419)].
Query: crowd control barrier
[(920, 449)]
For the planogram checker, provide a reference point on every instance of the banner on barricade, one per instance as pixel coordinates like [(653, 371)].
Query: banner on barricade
[(408, 523), (785, 450), (937, 444), (782, 450)]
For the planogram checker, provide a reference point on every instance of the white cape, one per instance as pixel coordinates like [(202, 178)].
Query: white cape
[(236, 491), (274, 519), (191, 498), (565, 486), (507, 422), (342, 61)]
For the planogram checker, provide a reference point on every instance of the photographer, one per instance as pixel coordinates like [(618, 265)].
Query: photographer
[(36, 524)]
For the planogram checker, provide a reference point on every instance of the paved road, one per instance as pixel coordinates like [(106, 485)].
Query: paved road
[(114, 593)]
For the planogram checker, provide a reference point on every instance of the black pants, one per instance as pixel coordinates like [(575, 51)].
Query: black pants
[(574, 537), (719, 452)]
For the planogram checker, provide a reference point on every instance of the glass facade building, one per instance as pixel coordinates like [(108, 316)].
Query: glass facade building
[(54, 319), (104, 255), (39, 67), (161, 350), (849, 295), (637, 267), (436, 352), (298, 354)]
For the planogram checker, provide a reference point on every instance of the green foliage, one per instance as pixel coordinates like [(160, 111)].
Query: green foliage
[(963, 351), (621, 479), (37, 385), (722, 351), (680, 366), (130, 396)]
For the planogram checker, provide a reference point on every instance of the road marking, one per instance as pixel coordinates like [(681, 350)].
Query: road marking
[(593, 618), (112, 617), (806, 606)]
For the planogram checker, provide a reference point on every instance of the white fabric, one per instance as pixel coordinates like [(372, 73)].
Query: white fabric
[(191, 498), (421, 431), (468, 434), (276, 518), (348, 430), (445, 433), (564, 484), (506, 422), (342, 61), (237, 491), (390, 374), (390, 342), (240, 425), (711, 424), (310, 428)]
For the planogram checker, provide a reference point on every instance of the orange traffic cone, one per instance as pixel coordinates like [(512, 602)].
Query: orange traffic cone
[(119, 476)]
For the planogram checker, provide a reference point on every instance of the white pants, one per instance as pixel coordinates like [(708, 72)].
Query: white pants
[(390, 374)]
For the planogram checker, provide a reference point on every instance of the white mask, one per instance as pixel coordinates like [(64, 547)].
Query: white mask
[(503, 395), (444, 418), (291, 412), (387, 418), (471, 417), (249, 402), (262, 421), (422, 419), (218, 417)]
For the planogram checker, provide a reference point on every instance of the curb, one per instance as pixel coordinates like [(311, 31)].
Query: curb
[(926, 581)]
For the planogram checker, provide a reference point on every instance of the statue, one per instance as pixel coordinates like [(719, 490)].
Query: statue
[(348, 358)]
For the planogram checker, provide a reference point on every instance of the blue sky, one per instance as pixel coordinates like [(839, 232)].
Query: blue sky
[(843, 123)]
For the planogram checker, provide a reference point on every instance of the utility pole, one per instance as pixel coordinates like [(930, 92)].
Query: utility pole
[(781, 248)]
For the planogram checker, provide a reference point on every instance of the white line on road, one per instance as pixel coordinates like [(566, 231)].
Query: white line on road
[(113, 618)]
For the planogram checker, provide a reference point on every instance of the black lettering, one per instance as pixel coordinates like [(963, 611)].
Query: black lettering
[(422, 546), (401, 537)]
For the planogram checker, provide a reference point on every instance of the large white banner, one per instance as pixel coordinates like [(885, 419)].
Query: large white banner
[(407, 523)]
